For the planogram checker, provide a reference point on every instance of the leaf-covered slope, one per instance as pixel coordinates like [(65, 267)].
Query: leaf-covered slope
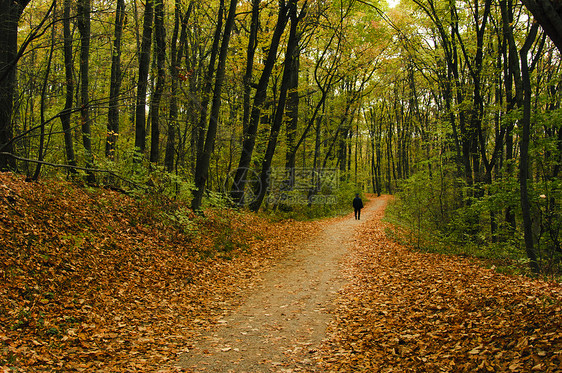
[(407, 311), (94, 280)]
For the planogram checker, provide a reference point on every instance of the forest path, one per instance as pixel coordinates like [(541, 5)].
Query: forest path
[(283, 321)]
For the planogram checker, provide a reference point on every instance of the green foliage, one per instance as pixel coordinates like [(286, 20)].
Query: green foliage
[(217, 200), (442, 214), (426, 203), (328, 201)]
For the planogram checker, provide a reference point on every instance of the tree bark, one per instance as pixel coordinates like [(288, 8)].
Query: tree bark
[(160, 38), (524, 157), (512, 80), (115, 83), (250, 53), (549, 15), (293, 107), (69, 98), (207, 87), (83, 10), (176, 55), (142, 86), (11, 12), (41, 152)]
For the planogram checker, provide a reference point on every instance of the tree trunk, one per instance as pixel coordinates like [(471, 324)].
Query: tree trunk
[(160, 38), (203, 161), (549, 15), (524, 158), (293, 108), (389, 160), (11, 12), (176, 55), (41, 153), (330, 79), (207, 87), (142, 86), (250, 53), (514, 100), (68, 71), (115, 83), (83, 10)]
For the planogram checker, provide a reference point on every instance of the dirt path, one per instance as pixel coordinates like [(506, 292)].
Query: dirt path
[(280, 326)]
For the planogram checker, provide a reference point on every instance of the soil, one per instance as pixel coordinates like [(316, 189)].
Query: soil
[(282, 323)]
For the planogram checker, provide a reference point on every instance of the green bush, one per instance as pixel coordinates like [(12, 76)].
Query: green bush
[(442, 213)]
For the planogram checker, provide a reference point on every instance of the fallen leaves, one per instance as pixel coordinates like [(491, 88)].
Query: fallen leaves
[(411, 311), (95, 281)]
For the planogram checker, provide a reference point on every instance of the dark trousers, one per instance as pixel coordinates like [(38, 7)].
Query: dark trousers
[(357, 214)]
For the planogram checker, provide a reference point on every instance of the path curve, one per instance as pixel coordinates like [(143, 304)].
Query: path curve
[(283, 322)]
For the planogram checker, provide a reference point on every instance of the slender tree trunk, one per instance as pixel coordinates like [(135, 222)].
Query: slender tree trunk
[(11, 12), (207, 87), (83, 10), (115, 83), (176, 55), (512, 75), (389, 161), (41, 152), (250, 53), (203, 161), (524, 158), (293, 108), (142, 86), (160, 38), (342, 149), (68, 71), (318, 137)]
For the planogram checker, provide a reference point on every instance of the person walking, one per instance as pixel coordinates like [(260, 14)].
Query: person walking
[(357, 206)]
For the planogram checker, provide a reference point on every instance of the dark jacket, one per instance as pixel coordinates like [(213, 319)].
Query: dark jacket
[(357, 203)]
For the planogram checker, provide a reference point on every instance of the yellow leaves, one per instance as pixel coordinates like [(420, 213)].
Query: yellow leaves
[(476, 350)]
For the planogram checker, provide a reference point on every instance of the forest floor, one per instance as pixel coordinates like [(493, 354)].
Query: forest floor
[(95, 281)]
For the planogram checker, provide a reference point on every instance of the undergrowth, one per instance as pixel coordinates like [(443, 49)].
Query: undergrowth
[(505, 257)]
